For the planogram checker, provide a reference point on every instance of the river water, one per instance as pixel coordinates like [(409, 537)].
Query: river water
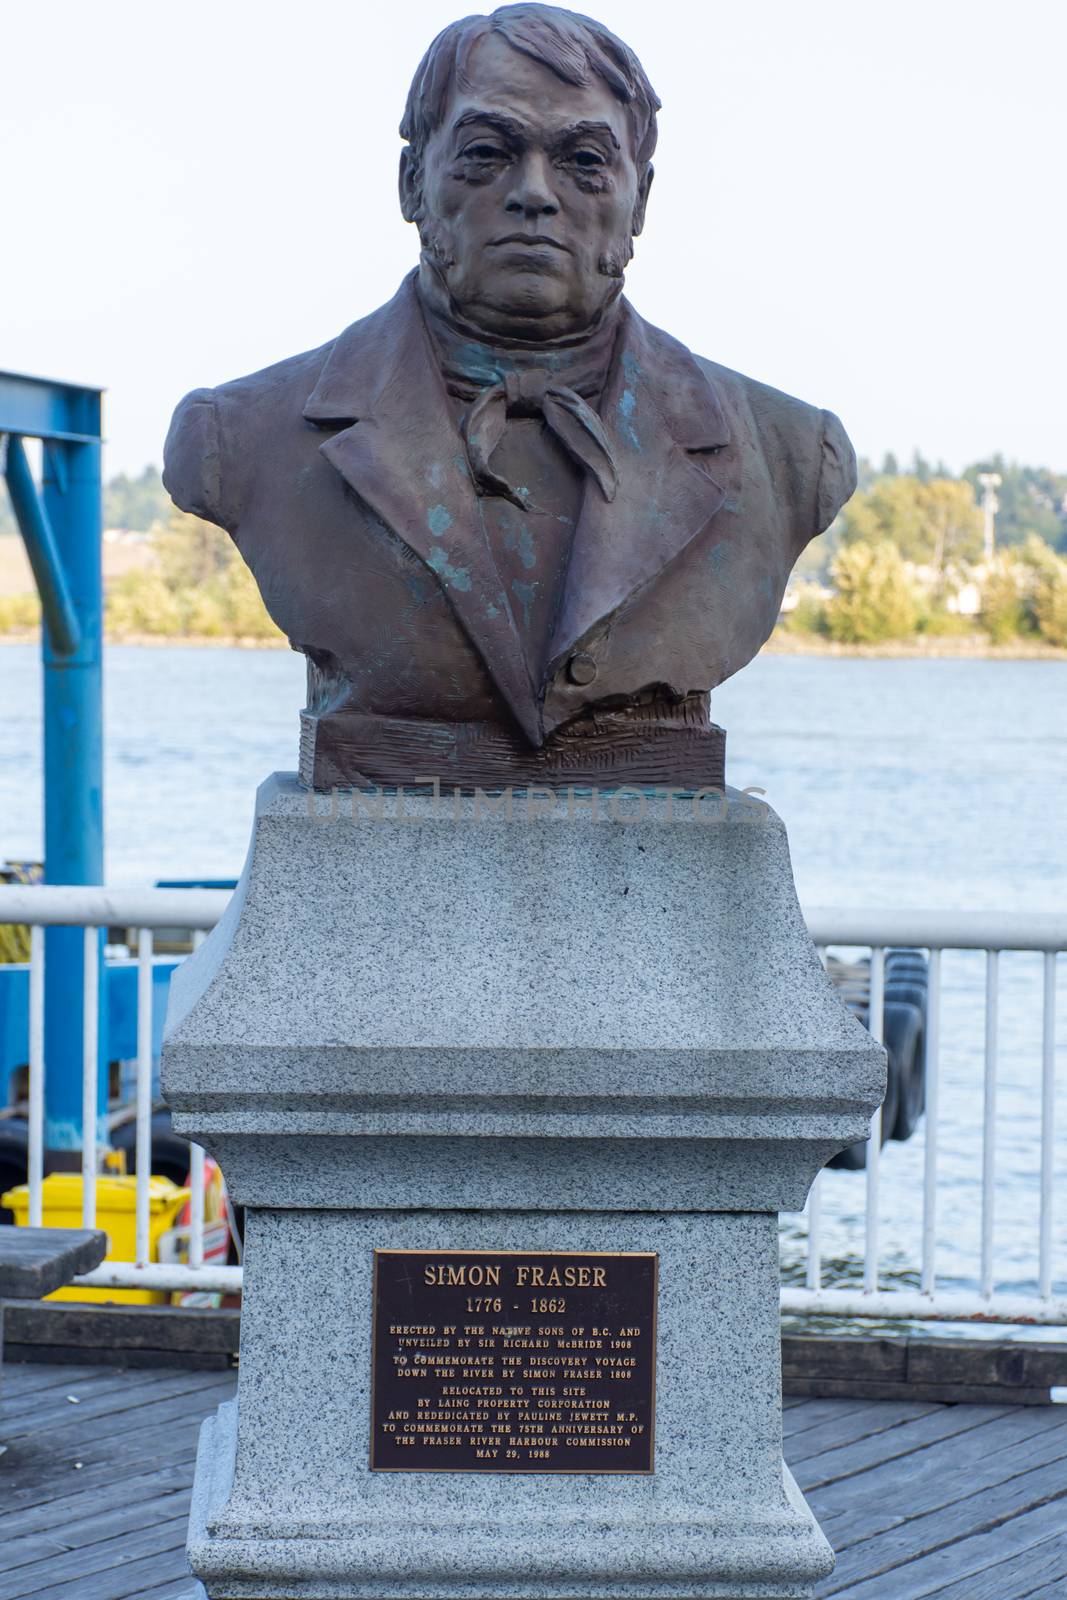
[(931, 784)]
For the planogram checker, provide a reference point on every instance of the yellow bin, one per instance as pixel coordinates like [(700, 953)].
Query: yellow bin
[(116, 1211)]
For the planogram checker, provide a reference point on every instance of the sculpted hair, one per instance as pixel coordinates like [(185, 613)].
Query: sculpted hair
[(574, 47)]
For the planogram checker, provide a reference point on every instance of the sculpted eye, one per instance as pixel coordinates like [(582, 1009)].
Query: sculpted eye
[(589, 159), (483, 151)]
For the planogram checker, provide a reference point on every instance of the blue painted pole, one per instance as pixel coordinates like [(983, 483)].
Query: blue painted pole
[(73, 782), (57, 608)]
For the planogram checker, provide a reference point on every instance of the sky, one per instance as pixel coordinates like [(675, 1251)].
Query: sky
[(862, 203)]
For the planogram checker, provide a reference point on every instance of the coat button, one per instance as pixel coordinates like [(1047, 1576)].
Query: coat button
[(581, 668)]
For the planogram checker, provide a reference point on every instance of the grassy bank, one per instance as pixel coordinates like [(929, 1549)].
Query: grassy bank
[(783, 642), (972, 647)]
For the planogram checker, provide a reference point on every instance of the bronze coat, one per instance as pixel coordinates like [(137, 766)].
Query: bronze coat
[(342, 478)]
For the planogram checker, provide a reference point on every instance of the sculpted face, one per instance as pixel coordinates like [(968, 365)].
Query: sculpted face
[(530, 195)]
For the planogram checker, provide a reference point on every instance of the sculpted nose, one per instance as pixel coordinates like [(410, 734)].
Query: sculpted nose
[(532, 193)]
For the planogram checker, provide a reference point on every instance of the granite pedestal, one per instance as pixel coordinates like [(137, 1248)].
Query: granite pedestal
[(594, 1024)]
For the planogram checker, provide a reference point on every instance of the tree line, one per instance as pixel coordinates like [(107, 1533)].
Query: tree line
[(905, 558), (897, 564), (192, 583)]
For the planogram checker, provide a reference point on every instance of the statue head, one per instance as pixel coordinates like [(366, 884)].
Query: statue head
[(530, 136)]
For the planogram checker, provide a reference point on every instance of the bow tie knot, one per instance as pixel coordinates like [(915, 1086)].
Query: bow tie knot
[(534, 393), (524, 392)]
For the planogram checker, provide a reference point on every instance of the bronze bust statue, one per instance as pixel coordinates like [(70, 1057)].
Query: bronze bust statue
[(519, 533)]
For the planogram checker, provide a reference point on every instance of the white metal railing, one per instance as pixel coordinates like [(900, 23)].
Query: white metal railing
[(148, 909), (143, 910), (937, 932)]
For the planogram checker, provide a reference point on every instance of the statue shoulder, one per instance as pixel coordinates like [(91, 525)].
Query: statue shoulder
[(217, 435), (800, 443)]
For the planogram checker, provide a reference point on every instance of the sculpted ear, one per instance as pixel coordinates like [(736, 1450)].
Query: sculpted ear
[(642, 200), (410, 186)]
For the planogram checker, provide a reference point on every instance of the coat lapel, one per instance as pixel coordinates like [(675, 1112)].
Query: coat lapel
[(657, 409), (403, 456)]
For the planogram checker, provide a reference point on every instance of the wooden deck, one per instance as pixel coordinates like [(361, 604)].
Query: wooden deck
[(959, 1502)]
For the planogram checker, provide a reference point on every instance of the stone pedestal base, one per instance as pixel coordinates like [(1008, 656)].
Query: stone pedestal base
[(288, 1501), (445, 1032), (728, 1555)]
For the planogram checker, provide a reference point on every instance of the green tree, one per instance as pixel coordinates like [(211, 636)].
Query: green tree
[(143, 602), (136, 504), (198, 586), (809, 613), (953, 522), (19, 613), (1047, 585), (1030, 499), (876, 597), (1004, 613), (192, 553), (933, 522)]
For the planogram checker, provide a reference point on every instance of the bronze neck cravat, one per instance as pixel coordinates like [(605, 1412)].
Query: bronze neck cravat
[(554, 382), (531, 394)]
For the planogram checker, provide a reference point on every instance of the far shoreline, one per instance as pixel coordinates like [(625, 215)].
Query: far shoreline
[(960, 648), (947, 648)]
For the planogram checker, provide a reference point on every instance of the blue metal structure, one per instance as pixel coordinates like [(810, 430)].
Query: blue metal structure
[(120, 978), (61, 527)]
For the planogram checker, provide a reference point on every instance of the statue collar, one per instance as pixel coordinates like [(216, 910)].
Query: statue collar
[(471, 362)]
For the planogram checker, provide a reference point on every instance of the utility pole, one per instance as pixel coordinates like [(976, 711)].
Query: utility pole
[(990, 482)]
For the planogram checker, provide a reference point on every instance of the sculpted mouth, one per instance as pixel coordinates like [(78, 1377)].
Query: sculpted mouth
[(533, 241)]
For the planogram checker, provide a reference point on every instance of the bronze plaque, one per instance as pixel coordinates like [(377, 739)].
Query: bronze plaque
[(513, 1361)]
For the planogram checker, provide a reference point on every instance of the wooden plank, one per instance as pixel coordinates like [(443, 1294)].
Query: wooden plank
[(18, 1381), (849, 1459), (816, 1411), (37, 1408), (30, 1376), (936, 1393), (29, 1547), (36, 1475), (80, 1566), (1052, 1591), (180, 1590), (1013, 1579), (992, 1508), (86, 1531), (1009, 1364), (44, 1468), (96, 1500), (115, 1327), (930, 1573), (102, 1356), (117, 1432), (127, 1583), (849, 1357), (883, 1497), (941, 1367), (109, 1399), (874, 1418), (34, 1261)]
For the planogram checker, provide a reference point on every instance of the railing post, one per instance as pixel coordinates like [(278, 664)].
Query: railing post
[(73, 785), (876, 1028), (1048, 1114), (144, 1091), (989, 1118), (933, 1114)]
